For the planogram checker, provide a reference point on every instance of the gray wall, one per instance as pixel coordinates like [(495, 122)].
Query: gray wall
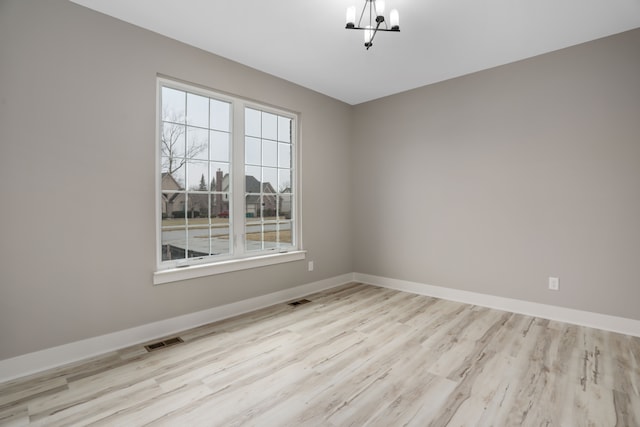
[(495, 181), (77, 159)]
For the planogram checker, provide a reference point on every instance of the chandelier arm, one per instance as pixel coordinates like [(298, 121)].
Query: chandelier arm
[(373, 29), (373, 36), (362, 14), (386, 27)]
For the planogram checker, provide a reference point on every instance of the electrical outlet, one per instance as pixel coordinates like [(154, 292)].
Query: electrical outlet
[(310, 265), (554, 283)]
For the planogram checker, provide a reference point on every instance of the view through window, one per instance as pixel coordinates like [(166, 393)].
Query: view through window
[(227, 172)]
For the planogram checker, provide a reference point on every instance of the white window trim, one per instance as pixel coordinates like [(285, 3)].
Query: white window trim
[(209, 269), (164, 274)]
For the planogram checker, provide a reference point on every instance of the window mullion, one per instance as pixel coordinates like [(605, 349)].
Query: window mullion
[(238, 188)]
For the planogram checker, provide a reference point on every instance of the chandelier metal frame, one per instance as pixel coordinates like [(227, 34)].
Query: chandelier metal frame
[(376, 20)]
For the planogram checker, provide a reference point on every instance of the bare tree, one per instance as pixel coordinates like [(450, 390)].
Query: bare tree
[(284, 187), (175, 149)]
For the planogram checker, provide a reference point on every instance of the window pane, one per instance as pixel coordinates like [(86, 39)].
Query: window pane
[(252, 122), (192, 208), (166, 201), (284, 181), (206, 207), (172, 207), (198, 241), (197, 175), (173, 243), (173, 105), (173, 140), (269, 205), (253, 206), (252, 179), (197, 143), (220, 242), (197, 110), (284, 129), (219, 177), (253, 241), (285, 237), (270, 179), (198, 208), (284, 155), (269, 153), (219, 143), (269, 240), (269, 126), (220, 205), (220, 115), (253, 226), (221, 208), (285, 204), (176, 179), (252, 151)]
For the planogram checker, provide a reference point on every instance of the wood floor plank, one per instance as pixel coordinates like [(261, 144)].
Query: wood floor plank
[(397, 394), (17, 415), (355, 355), (73, 409), (17, 394)]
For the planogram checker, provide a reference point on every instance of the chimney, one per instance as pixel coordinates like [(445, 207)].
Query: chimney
[(219, 180)]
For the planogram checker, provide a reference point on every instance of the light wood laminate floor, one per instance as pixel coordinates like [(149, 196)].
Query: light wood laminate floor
[(356, 355)]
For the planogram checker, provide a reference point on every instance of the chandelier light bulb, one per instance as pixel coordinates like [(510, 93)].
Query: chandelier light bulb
[(351, 16), (395, 19), (379, 5)]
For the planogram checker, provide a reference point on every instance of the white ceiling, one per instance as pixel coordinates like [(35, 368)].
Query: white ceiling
[(305, 42)]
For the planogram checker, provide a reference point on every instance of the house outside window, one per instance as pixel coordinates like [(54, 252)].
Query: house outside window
[(227, 180)]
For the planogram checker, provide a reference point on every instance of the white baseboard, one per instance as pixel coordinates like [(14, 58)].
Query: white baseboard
[(577, 317), (38, 361)]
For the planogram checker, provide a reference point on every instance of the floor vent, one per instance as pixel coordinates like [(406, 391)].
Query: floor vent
[(299, 302), (163, 344)]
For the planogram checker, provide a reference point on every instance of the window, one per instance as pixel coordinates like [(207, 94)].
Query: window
[(268, 173), (227, 183)]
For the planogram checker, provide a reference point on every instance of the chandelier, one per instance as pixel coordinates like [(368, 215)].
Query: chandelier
[(376, 19)]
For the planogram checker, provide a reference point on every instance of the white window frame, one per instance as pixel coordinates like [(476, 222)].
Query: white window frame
[(239, 258)]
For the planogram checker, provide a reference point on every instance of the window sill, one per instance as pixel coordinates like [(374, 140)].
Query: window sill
[(194, 271)]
